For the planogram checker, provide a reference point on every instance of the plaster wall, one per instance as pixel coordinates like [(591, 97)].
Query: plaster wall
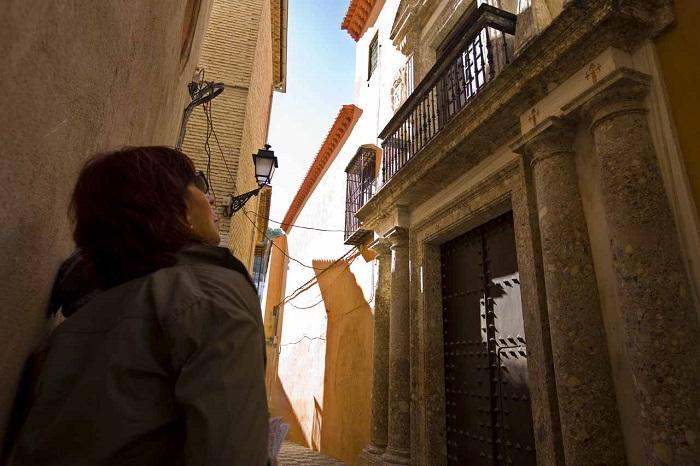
[(680, 63), (348, 377), (373, 95), (81, 78)]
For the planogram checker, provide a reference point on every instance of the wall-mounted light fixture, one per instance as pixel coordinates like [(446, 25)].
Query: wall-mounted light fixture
[(201, 92), (265, 164)]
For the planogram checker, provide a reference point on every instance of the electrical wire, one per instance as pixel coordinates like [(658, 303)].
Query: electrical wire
[(356, 308), (317, 300), (297, 226), (245, 214), (305, 307), (314, 280), (221, 152), (305, 337), (206, 107)]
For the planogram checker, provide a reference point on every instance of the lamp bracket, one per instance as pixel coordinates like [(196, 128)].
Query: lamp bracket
[(237, 202)]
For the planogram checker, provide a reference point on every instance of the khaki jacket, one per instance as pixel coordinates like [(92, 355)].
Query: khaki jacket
[(167, 369)]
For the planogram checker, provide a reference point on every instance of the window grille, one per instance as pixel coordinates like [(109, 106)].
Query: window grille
[(361, 177)]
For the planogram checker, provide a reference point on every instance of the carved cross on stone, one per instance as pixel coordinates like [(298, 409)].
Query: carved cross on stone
[(592, 73), (534, 113)]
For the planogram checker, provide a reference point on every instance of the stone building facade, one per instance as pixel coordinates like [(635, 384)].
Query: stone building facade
[(244, 48), (537, 237), (83, 77)]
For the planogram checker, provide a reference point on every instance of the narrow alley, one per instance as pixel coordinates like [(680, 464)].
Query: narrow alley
[(398, 232), (293, 454)]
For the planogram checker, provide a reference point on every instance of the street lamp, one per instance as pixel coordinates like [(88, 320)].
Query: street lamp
[(265, 164)]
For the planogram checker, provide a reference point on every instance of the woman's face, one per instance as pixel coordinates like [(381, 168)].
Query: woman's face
[(201, 215)]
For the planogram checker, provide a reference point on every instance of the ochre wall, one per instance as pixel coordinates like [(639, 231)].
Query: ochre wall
[(348, 378), (237, 51), (242, 238), (679, 55), (79, 77)]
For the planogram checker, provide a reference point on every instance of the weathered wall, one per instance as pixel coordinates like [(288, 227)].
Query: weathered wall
[(80, 77), (348, 381), (680, 64), (237, 51)]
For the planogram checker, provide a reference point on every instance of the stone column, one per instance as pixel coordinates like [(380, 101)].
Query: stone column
[(587, 406), (660, 323), (399, 434), (380, 368)]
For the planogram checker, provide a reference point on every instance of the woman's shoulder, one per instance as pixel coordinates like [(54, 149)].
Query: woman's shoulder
[(184, 286)]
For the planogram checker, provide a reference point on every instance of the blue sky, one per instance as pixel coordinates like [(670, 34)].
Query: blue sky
[(320, 79)]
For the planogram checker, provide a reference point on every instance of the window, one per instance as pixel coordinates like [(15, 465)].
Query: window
[(373, 55), (361, 177)]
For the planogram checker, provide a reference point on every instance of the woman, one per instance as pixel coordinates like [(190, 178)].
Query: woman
[(164, 366)]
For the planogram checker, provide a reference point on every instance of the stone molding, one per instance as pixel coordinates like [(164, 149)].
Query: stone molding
[(382, 246), (625, 95), (501, 177), (490, 198), (398, 237), (551, 137), (410, 17)]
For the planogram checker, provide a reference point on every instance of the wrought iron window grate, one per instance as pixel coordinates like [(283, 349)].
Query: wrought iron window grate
[(361, 183)]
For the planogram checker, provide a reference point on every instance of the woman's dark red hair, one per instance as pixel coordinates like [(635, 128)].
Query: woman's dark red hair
[(129, 211)]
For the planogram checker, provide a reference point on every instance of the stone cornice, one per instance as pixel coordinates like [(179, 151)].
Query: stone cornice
[(382, 246), (487, 185), (581, 32), (410, 18), (554, 135)]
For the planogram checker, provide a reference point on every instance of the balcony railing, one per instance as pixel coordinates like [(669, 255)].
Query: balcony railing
[(361, 178), (476, 57)]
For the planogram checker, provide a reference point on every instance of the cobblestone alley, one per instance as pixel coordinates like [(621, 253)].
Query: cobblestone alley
[(293, 454)]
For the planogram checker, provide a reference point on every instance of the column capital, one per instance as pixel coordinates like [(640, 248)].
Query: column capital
[(382, 246), (398, 237), (551, 137), (621, 93)]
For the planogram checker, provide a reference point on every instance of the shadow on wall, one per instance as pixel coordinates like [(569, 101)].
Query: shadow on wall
[(281, 406), (348, 375), (316, 428)]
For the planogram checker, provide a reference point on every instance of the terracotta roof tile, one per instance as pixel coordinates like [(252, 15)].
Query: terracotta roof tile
[(356, 17), (339, 132)]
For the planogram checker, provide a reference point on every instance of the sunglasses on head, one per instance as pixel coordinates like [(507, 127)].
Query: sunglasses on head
[(200, 181)]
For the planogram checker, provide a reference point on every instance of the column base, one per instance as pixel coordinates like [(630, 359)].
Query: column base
[(397, 456), (371, 456)]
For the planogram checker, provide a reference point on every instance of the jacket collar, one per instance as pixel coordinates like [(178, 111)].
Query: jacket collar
[(213, 255)]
